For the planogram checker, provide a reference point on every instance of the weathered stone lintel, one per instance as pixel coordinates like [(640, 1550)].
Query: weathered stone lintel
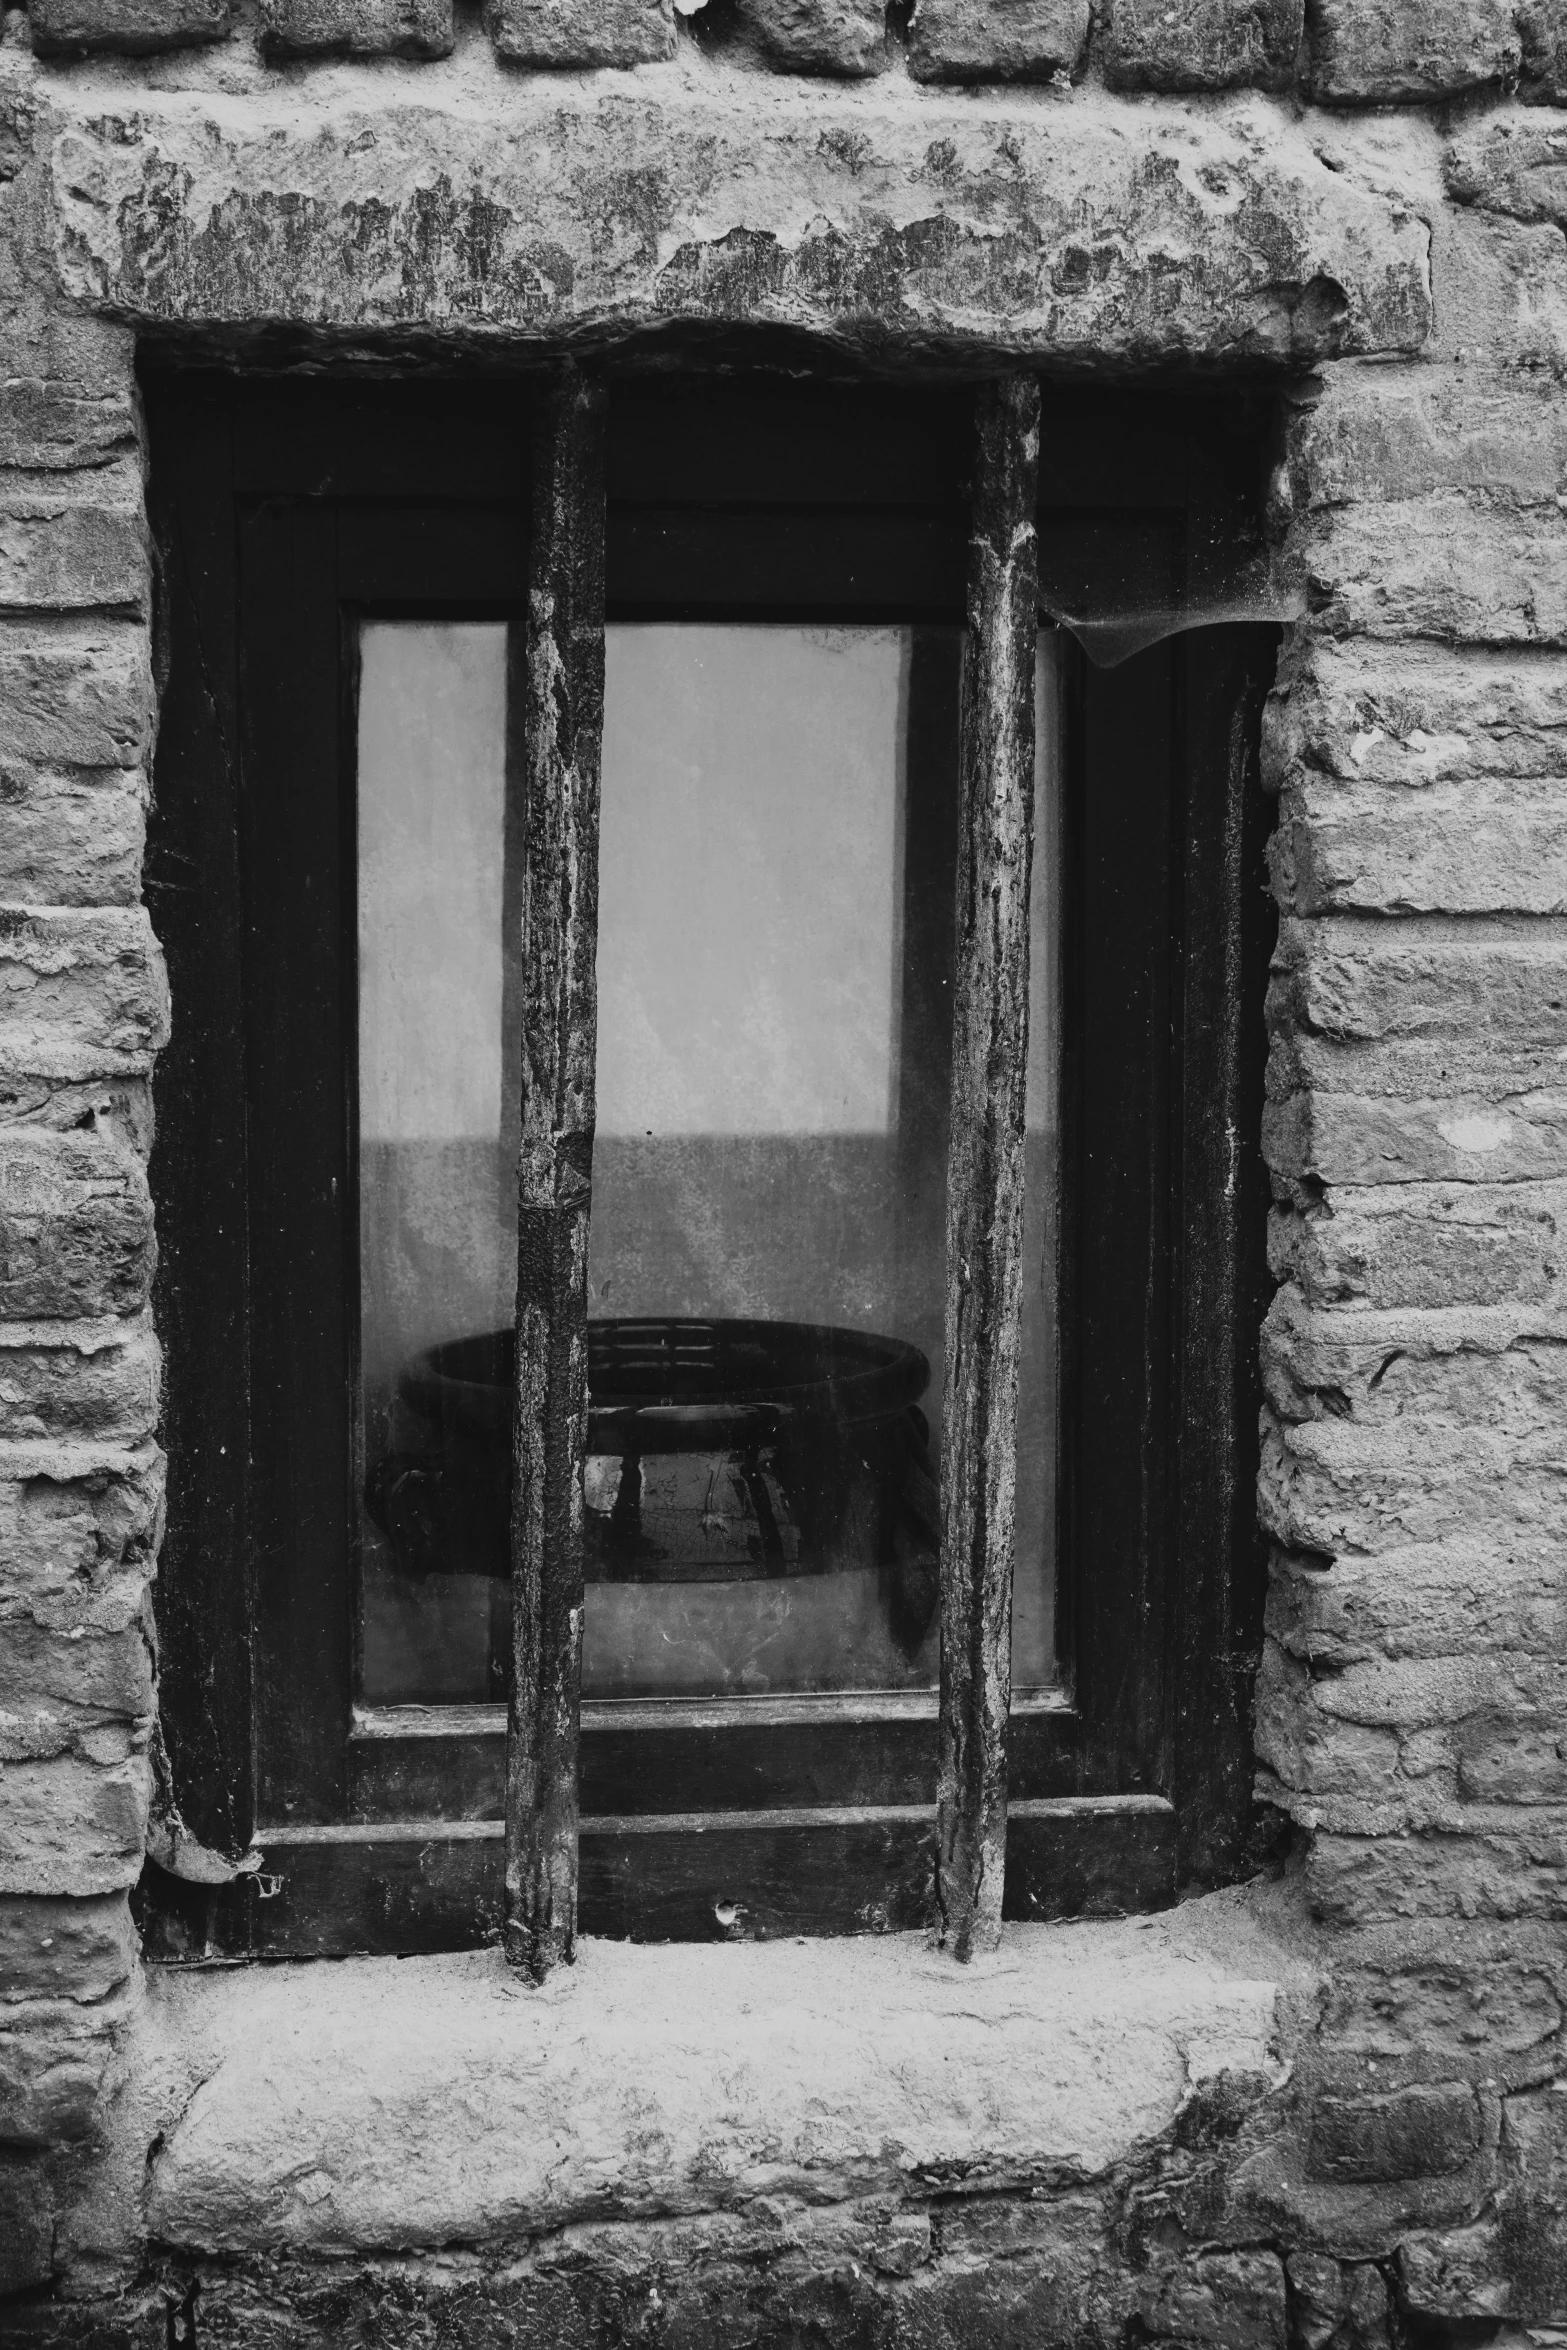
[(829, 214)]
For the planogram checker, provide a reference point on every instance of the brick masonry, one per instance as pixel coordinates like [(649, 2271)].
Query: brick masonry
[(1408, 266)]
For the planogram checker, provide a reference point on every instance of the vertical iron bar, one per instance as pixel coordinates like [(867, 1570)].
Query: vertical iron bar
[(985, 1166), (564, 713)]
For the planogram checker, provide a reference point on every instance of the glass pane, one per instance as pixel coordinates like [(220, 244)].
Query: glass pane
[(1034, 1571), (774, 971), (437, 1172), (767, 1272)]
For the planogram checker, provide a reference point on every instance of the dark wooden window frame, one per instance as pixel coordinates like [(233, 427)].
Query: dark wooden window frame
[(282, 512)]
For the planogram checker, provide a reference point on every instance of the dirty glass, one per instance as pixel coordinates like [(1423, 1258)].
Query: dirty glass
[(437, 1183), (774, 970), (767, 1251), (1034, 1570)]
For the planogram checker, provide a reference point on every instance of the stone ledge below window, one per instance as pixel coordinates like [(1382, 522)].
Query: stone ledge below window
[(396, 2105)]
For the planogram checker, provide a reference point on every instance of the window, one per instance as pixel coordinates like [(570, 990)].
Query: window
[(340, 873)]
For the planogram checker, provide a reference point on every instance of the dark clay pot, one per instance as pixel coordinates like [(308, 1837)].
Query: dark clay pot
[(718, 1451)]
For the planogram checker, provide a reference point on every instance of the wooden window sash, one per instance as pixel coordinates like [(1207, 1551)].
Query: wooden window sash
[(564, 709), (985, 1165), (563, 668)]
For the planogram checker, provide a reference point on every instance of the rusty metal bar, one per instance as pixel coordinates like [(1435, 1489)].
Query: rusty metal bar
[(563, 726), (985, 1167)]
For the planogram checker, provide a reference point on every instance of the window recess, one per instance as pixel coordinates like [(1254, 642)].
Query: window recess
[(681, 744)]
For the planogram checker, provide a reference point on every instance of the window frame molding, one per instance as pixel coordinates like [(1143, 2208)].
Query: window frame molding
[(388, 1871)]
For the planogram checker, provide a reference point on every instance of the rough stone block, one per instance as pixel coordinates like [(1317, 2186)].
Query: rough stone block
[(1531, 2205), (997, 40), (1513, 2263), (72, 541), (71, 839), (1421, 779), (358, 28), (56, 426), (1544, 29), (1499, 291), (81, 1675), (1368, 982), (75, 1225), (582, 32), (1314, 1757), (1510, 1761), (62, 1949), (53, 2065), (27, 2222), (1446, 566), (1498, 1863), (1437, 1998), (70, 1826), (819, 36), (79, 1379), (1414, 715), (1356, 1138), (1234, 2300), (1329, 1486), (1513, 162), (1201, 44), (1465, 1367), (1454, 2273), (1372, 50), (40, 1729), (1406, 1694), (1394, 432), (1455, 1244), (1476, 1089), (1421, 2132), (1338, 2305), (1469, 1597), (79, 1530), (74, 693), (1463, 849), (130, 28), (83, 992)]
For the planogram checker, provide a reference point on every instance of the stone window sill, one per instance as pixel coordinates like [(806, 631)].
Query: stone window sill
[(401, 2105)]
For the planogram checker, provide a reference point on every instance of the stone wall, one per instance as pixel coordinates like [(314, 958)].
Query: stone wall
[(1377, 211)]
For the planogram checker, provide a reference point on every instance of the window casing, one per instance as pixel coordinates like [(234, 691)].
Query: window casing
[(289, 515)]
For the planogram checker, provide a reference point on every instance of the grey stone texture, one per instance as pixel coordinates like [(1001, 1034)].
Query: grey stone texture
[(846, 37), (1338, 2305), (1375, 50), (1409, 270), (1201, 44), (1408, 2133), (997, 40), (131, 28), (925, 219), (1513, 163), (880, 2066), (1543, 26), (358, 28), (581, 32)]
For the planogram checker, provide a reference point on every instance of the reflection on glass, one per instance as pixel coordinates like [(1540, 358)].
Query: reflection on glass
[(767, 1255), (1034, 1571), (774, 967), (437, 1188)]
